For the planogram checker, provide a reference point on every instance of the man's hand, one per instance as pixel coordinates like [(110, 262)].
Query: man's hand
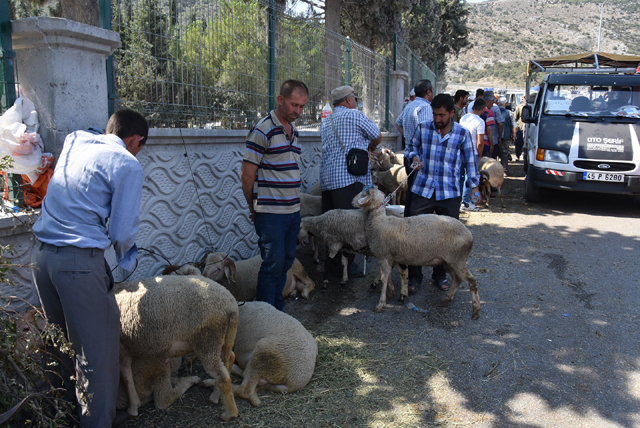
[(473, 192), (415, 163)]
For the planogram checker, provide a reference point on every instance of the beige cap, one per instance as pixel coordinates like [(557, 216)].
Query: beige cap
[(341, 92)]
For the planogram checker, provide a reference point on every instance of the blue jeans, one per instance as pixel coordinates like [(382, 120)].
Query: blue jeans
[(277, 239), (466, 191)]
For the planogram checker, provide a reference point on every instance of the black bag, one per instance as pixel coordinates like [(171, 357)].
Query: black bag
[(357, 162), (357, 159)]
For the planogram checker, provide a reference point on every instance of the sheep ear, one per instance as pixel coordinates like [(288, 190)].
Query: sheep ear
[(362, 201), (229, 270)]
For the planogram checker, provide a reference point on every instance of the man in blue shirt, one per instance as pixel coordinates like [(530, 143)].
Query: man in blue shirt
[(439, 151), (92, 202)]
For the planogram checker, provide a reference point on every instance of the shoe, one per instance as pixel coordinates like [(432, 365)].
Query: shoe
[(121, 418), (471, 207), (414, 286), (442, 284)]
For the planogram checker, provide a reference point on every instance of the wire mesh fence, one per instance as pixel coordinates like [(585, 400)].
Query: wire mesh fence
[(407, 60), (220, 64)]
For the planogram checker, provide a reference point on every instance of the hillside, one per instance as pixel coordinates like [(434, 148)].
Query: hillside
[(505, 34)]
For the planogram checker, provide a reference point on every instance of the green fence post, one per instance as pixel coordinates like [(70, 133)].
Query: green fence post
[(272, 54), (347, 62), (395, 51), (105, 22), (8, 93), (386, 101)]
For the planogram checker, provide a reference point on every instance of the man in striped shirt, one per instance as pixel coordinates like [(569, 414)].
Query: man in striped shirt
[(271, 185), (440, 150)]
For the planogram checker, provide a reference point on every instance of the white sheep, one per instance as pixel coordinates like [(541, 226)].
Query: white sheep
[(310, 205), (343, 230), (389, 180), (316, 190), (424, 240), (172, 316), (241, 277), (383, 159), (273, 352), (491, 175), (151, 382)]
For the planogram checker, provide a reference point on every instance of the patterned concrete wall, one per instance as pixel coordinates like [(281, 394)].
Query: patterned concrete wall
[(193, 203)]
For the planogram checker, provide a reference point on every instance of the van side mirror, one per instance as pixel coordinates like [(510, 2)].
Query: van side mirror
[(526, 115)]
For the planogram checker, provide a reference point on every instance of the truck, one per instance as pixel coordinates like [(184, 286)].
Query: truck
[(582, 131)]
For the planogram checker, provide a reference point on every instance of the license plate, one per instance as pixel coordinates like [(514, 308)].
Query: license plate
[(603, 176)]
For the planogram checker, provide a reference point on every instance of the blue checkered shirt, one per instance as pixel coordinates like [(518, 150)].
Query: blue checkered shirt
[(416, 112), (355, 130), (443, 159)]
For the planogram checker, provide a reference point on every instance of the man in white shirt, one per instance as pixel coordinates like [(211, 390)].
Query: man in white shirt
[(475, 125)]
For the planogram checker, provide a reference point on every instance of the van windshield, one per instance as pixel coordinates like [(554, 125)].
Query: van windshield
[(600, 101)]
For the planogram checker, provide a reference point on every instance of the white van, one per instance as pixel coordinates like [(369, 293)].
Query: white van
[(582, 134)]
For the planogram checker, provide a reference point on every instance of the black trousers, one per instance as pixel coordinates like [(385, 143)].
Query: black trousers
[(421, 205)]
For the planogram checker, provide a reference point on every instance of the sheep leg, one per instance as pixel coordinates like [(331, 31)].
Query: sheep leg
[(126, 375), (165, 394), (475, 297), (488, 190), (385, 271), (345, 271), (455, 283), (500, 194), (404, 281)]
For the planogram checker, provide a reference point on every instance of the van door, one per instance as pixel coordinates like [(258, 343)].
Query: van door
[(531, 130)]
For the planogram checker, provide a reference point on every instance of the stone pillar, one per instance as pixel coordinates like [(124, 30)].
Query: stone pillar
[(61, 68), (397, 80)]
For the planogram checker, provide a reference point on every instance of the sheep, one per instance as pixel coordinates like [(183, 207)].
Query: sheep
[(388, 181), (491, 175), (184, 270), (316, 190), (172, 316), (241, 277), (273, 351), (384, 159), (344, 230), (424, 240), (152, 382), (310, 205)]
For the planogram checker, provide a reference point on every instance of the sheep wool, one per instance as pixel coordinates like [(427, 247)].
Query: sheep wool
[(172, 316), (424, 240), (274, 351)]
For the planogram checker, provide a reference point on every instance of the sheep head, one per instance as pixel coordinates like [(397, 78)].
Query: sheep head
[(368, 199), (218, 266)]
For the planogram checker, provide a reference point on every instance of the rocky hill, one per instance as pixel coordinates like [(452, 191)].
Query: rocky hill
[(505, 34)]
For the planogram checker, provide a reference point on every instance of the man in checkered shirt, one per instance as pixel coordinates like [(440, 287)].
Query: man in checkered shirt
[(439, 151), (355, 130)]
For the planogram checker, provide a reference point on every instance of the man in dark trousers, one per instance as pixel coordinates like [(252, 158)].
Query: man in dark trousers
[(92, 202)]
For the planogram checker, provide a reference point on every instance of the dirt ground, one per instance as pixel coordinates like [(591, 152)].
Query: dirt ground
[(557, 343)]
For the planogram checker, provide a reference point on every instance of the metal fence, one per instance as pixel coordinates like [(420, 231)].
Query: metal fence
[(405, 59), (219, 64)]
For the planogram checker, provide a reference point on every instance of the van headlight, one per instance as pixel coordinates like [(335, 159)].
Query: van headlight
[(551, 156)]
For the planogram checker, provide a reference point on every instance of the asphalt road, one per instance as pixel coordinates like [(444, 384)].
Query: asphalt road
[(559, 283)]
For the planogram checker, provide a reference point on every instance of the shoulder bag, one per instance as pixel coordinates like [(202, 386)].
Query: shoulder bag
[(357, 159)]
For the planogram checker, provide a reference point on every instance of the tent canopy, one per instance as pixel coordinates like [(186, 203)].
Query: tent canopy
[(588, 60)]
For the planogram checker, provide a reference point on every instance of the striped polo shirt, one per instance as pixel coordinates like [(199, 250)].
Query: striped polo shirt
[(277, 186)]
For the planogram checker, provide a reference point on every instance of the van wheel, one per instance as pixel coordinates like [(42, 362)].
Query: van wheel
[(531, 191)]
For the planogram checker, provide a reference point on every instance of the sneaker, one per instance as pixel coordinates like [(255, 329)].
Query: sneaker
[(471, 207)]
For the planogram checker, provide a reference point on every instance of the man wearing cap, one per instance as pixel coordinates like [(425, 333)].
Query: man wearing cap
[(271, 185), (349, 127)]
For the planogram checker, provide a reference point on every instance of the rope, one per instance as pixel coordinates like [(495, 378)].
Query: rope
[(195, 185), (392, 194)]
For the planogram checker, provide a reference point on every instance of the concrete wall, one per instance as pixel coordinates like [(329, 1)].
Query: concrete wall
[(190, 204)]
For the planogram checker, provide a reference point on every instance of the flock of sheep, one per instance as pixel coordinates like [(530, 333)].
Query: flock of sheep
[(216, 321)]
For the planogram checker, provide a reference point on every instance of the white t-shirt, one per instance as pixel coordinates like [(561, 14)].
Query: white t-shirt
[(475, 125)]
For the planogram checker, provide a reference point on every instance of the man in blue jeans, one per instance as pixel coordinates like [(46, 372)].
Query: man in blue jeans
[(271, 185)]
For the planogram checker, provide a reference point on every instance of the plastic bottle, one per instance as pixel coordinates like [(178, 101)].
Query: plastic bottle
[(475, 198), (326, 110)]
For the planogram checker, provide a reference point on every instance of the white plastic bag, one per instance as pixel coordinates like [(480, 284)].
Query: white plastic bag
[(19, 138)]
